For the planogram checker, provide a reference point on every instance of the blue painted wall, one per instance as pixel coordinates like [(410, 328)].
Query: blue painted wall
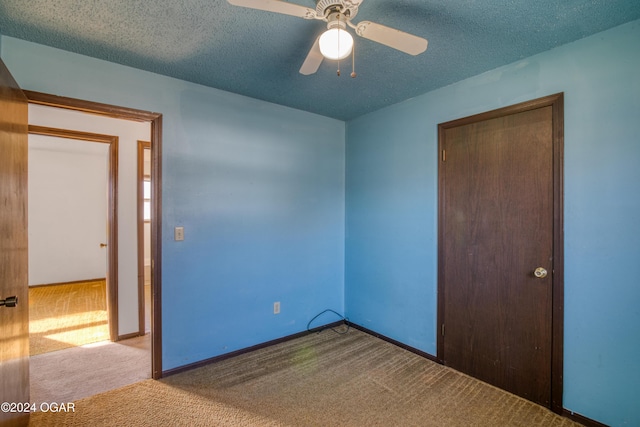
[(391, 213), (391, 233), (259, 189)]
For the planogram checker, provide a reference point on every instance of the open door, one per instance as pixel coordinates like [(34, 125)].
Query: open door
[(14, 307)]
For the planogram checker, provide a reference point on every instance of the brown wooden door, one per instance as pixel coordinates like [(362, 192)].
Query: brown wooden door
[(497, 227), (14, 321)]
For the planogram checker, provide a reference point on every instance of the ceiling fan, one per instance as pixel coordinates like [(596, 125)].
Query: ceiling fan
[(336, 43)]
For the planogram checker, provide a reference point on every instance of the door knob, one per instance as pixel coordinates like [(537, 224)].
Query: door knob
[(9, 302), (540, 272), (103, 245)]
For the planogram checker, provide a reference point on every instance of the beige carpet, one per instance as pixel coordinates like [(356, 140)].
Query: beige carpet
[(68, 315), (321, 379), (78, 372)]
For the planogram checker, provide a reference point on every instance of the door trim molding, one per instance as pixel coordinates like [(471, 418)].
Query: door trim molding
[(142, 145), (112, 215), (156, 201), (555, 101)]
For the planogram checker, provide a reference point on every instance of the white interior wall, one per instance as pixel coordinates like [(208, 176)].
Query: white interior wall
[(68, 181), (129, 133)]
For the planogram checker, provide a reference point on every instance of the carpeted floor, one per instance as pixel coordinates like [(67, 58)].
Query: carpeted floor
[(78, 372), (67, 315), (322, 379)]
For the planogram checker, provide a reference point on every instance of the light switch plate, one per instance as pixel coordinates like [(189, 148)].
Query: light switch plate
[(178, 234)]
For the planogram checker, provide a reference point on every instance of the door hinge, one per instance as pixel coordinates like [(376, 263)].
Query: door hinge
[(443, 329), (444, 155)]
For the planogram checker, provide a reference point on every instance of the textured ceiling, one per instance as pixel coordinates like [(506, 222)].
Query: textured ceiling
[(258, 53)]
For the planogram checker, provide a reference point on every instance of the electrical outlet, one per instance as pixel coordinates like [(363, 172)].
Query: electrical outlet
[(276, 307), (178, 234)]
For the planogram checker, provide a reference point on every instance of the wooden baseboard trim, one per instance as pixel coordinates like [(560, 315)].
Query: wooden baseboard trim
[(100, 279), (247, 350), (394, 342), (128, 336), (587, 422)]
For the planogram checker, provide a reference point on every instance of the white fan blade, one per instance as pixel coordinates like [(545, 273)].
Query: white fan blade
[(277, 7), (404, 42), (313, 61)]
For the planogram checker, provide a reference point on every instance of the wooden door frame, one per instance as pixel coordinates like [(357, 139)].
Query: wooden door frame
[(555, 101), (142, 145), (112, 216), (155, 119)]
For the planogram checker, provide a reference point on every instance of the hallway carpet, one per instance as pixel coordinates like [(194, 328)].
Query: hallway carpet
[(321, 379), (75, 373), (67, 315)]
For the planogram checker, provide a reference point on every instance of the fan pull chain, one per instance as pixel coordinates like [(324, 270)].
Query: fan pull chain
[(338, 46), (353, 62)]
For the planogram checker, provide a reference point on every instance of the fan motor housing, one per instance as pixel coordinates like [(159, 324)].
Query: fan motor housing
[(349, 8)]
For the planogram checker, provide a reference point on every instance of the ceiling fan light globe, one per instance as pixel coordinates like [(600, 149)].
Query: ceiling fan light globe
[(333, 39)]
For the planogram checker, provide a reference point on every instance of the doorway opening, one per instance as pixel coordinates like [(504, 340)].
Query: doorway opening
[(73, 238), (155, 123)]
